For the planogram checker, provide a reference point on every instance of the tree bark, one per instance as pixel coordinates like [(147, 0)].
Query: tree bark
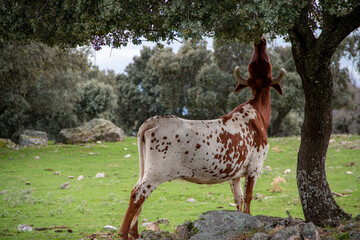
[(313, 66)]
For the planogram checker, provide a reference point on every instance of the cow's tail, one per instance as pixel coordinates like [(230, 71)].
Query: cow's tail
[(142, 155)]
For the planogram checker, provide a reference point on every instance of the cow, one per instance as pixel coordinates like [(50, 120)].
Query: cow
[(208, 151)]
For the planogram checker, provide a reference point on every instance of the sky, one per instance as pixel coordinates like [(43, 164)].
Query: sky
[(117, 59)]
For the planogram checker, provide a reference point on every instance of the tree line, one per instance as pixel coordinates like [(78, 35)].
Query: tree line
[(47, 88)]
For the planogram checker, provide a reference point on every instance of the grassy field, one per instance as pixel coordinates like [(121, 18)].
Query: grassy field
[(88, 205)]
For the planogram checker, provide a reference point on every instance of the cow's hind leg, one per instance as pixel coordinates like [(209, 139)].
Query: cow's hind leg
[(249, 186), (235, 185), (138, 195)]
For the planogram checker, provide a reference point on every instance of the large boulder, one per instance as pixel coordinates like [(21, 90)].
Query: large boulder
[(6, 143), (95, 130), (218, 225), (33, 138)]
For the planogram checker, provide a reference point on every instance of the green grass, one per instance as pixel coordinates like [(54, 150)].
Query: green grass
[(92, 203)]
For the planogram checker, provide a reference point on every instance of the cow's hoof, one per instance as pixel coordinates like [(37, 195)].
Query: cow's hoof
[(123, 236)]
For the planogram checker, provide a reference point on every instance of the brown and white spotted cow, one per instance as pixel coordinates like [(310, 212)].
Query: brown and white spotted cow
[(208, 151)]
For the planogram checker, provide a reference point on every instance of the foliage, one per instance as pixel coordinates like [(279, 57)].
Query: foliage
[(88, 205), (96, 100), (39, 88)]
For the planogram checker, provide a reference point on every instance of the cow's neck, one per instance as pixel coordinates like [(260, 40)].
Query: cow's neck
[(261, 102)]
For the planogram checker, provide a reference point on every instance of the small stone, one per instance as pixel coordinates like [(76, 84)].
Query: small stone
[(260, 236), (163, 221), (81, 177), (145, 220), (268, 168), (153, 226), (191, 200), (24, 228), (11, 157), (65, 185), (37, 157), (4, 192), (125, 149), (100, 175), (287, 171), (27, 183), (287, 233), (57, 173), (110, 228), (258, 196), (99, 143), (349, 172), (145, 224), (232, 204), (310, 232), (70, 177), (127, 156), (348, 191), (354, 235)]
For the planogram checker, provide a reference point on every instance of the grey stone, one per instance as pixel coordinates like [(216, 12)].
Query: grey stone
[(289, 233), (33, 138), (110, 228), (223, 225), (6, 143), (65, 185), (161, 235), (310, 232), (260, 236), (163, 221), (95, 130), (354, 235), (24, 228)]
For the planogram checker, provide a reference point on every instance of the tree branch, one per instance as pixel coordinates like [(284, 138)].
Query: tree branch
[(337, 29)]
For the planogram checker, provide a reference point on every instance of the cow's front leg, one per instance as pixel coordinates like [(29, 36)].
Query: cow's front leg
[(249, 186)]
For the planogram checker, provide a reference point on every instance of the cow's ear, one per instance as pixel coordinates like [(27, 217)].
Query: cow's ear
[(278, 88), (239, 87)]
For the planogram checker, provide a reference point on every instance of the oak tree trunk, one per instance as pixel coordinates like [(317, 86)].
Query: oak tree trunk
[(317, 201)]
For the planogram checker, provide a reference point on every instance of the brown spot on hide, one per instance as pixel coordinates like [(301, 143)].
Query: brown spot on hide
[(186, 152), (148, 186), (176, 136), (198, 146), (165, 137)]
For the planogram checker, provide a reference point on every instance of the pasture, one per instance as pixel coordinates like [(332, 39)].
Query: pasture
[(34, 196)]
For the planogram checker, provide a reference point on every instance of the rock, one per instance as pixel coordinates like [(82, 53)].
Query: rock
[(37, 157), (100, 175), (81, 177), (260, 236), (33, 138), (24, 228), (65, 185), (191, 200), (110, 228), (127, 156), (4, 192), (348, 191), (258, 196), (354, 235), (232, 204), (98, 142), (27, 183), (185, 231), (151, 235), (349, 172), (7, 143), (289, 233), (57, 173), (145, 224), (268, 168), (153, 226), (95, 130), (309, 232), (287, 171), (70, 177), (223, 225), (145, 220), (163, 221)]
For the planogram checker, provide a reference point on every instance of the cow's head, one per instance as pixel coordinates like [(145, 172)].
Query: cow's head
[(259, 71)]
